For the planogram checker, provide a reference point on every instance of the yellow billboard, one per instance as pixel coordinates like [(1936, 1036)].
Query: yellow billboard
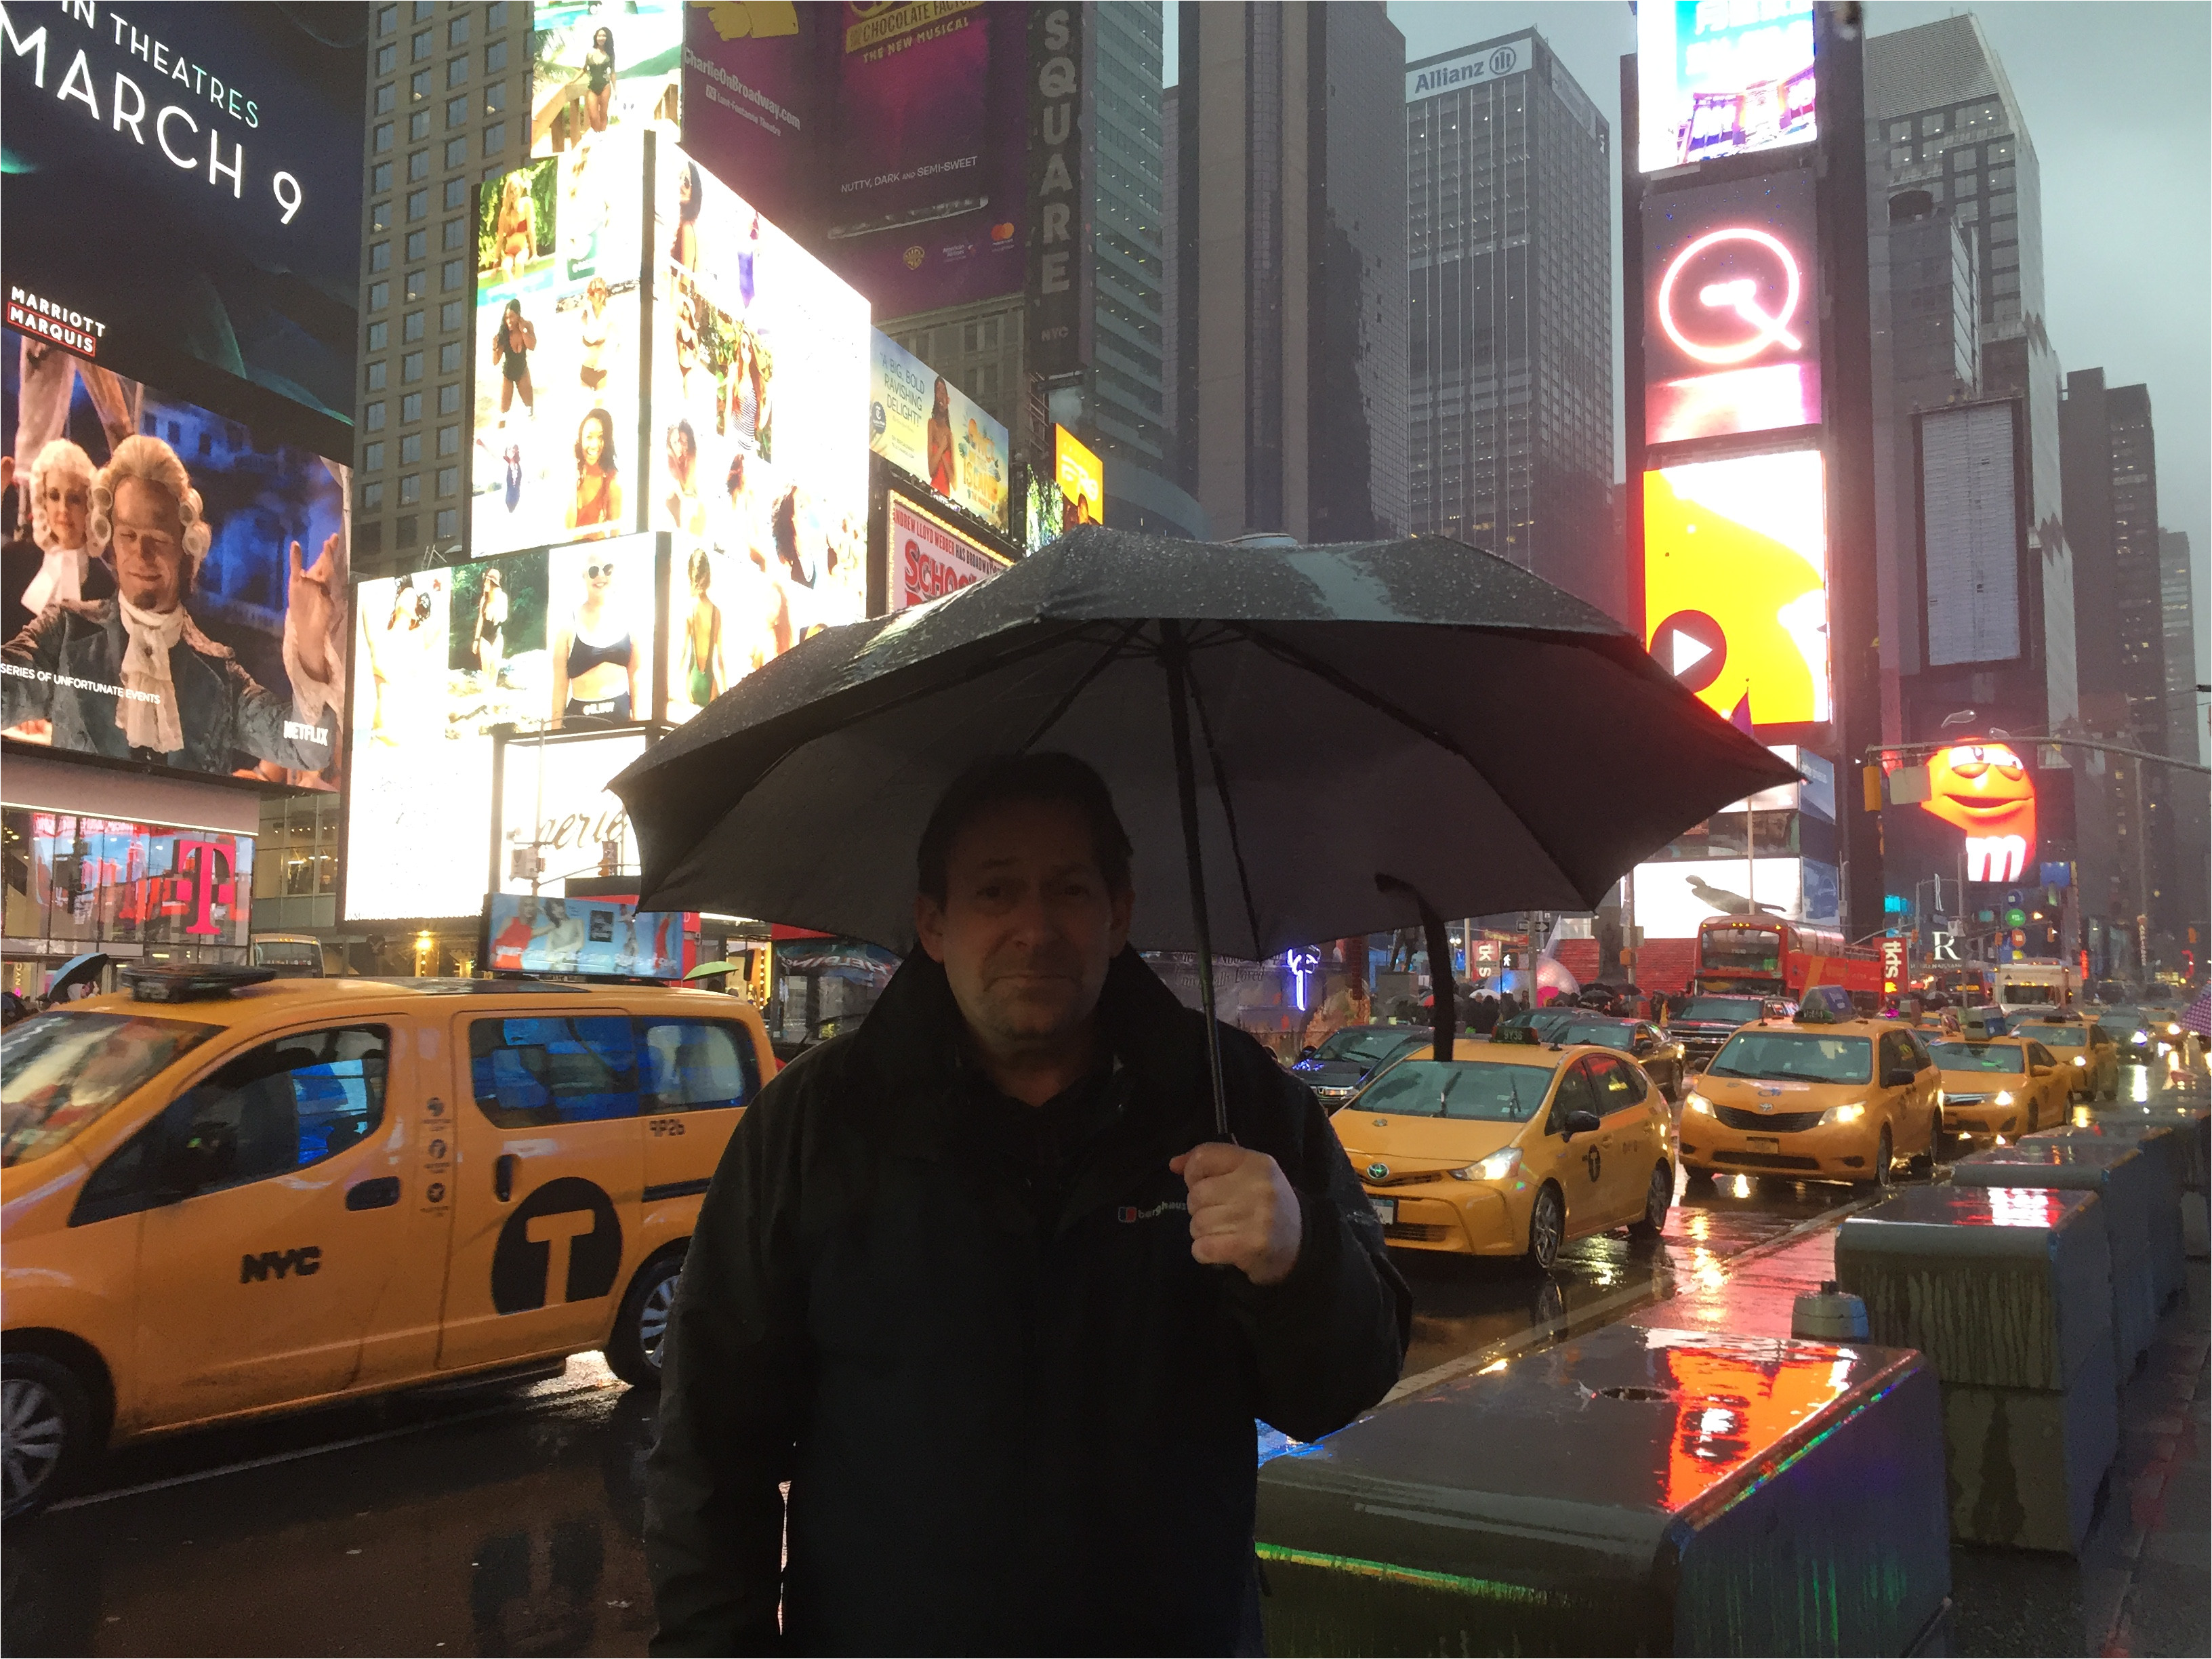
[(1082, 481)]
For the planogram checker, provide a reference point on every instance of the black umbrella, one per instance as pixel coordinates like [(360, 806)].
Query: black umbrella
[(1303, 743)]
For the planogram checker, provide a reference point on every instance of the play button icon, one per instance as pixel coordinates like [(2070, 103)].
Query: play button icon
[(1691, 646)]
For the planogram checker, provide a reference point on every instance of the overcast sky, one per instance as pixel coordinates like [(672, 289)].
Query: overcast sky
[(2117, 97)]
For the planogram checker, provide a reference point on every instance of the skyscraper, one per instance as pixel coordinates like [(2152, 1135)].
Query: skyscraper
[(448, 106), (1292, 324), (1509, 262), (1955, 245), (2190, 895)]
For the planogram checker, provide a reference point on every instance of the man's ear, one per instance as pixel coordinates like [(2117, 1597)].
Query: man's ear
[(1125, 904), (929, 926)]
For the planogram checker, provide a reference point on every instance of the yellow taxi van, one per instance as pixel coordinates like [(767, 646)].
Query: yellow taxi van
[(222, 1198), (1512, 1147), (1998, 1087), (2086, 1051), (1819, 1098)]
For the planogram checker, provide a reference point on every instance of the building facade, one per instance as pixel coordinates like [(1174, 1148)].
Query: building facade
[(1290, 237), (1508, 255), (449, 108)]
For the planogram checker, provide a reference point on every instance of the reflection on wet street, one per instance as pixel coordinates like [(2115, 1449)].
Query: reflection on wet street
[(506, 1519)]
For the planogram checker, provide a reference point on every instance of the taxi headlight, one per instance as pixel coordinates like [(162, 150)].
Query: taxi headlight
[(2142, 1037), (1497, 1167), (1695, 1102), (2173, 1031), (1850, 1113), (2081, 1060)]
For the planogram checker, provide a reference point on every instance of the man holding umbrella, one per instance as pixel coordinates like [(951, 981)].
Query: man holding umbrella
[(983, 1284)]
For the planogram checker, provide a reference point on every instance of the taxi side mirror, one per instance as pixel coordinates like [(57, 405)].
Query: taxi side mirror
[(1582, 1123), (1308, 1052), (2039, 1071), (1899, 1077)]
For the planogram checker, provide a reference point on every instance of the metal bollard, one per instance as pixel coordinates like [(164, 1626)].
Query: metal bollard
[(1829, 1314)]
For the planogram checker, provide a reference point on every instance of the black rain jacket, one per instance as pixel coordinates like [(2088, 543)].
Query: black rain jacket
[(1004, 1431)]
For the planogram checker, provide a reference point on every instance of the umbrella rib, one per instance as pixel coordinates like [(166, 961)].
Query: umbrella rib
[(1228, 811), (1419, 727), (1112, 654)]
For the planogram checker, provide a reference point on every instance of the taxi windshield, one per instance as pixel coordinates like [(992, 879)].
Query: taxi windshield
[(60, 1072), (1796, 1057), (2008, 1057), (1606, 1033), (2059, 1037), (1494, 1092), (1741, 1010), (1361, 1045)]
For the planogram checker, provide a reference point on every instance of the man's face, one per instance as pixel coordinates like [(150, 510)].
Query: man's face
[(149, 546), (1028, 925), (67, 498)]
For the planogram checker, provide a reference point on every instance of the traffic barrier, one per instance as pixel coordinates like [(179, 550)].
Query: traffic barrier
[(2131, 1187), (1634, 1491), (2166, 1147), (2006, 1291)]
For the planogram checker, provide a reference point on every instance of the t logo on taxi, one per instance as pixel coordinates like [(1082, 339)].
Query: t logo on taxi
[(565, 1233)]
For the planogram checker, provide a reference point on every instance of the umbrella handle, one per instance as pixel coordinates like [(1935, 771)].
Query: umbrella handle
[(1176, 657)]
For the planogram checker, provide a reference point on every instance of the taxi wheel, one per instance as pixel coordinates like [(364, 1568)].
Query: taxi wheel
[(1658, 1199), (46, 1429), (1547, 1228), (641, 1326), (1885, 1165)]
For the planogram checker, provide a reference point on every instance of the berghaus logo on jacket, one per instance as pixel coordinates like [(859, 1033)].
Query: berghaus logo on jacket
[(1131, 1212)]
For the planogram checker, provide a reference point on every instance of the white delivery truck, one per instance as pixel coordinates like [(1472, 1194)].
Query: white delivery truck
[(2046, 987)]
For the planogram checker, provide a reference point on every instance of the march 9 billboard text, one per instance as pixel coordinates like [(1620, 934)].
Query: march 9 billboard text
[(1736, 586), (179, 595)]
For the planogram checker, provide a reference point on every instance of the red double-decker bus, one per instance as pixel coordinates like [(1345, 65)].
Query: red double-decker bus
[(1766, 955)]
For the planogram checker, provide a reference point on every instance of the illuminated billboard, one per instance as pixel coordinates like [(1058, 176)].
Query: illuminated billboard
[(558, 327), (180, 593), (547, 935), (1984, 790), (187, 187), (929, 559), (559, 638), (891, 139), (1082, 481), (1674, 896), (1721, 77), (553, 801), (89, 883), (930, 429), (758, 415), (1732, 310), (1736, 599), (597, 70)]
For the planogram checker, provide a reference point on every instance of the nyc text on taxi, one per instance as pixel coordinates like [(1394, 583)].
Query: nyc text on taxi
[(1822, 1098), (1512, 1147), (220, 1201)]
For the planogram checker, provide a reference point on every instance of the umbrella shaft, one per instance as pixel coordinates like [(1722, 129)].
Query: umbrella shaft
[(1176, 658)]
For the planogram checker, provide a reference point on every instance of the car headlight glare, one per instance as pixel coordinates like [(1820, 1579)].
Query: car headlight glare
[(1497, 1167), (1697, 1103), (2142, 1037), (1850, 1113), (2173, 1031), (2003, 1097), (2079, 1060)]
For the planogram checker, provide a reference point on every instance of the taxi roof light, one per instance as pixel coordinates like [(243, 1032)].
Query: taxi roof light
[(199, 983)]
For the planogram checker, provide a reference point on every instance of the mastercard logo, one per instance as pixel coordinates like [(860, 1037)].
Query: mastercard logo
[(1002, 231)]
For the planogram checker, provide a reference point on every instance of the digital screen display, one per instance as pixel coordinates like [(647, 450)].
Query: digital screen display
[(597, 70), (1082, 481), (891, 139), (930, 558), (185, 191), (931, 430), (1732, 310), (547, 935), (559, 638), (1735, 597), (759, 416), (90, 882), (553, 799), (1983, 791), (1674, 897), (1721, 77), (559, 322), (230, 552)]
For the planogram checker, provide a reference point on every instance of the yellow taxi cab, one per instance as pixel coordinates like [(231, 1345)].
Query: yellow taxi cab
[(221, 1199), (1996, 1088), (1510, 1148), (1819, 1098), (2085, 1050)]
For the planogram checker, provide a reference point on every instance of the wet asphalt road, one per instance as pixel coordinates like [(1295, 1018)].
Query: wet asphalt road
[(506, 1519)]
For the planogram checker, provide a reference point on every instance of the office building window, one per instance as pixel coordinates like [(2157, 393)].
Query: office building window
[(411, 368), (451, 315), (456, 235), (387, 59), (449, 523), (372, 417), (410, 409), (380, 336), (383, 132), (418, 166), (372, 458), (454, 275), (495, 17), (411, 327), (411, 488), (418, 205), (449, 399), (457, 72), (495, 98), (418, 244), (422, 46), (379, 256), (380, 295), (457, 32), (418, 126), (449, 357), (495, 138), (410, 449), (387, 19), (403, 534), (371, 494), (379, 217), (495, 58), (449, 481), (418, 86), (375, 373), (417, 283), (449, 440), (379, 177), (457, 155)]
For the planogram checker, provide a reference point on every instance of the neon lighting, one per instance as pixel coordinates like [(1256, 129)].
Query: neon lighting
[(1738, 296)]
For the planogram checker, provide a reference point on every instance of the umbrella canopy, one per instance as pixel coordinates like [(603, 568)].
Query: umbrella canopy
[(1417, 710)]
